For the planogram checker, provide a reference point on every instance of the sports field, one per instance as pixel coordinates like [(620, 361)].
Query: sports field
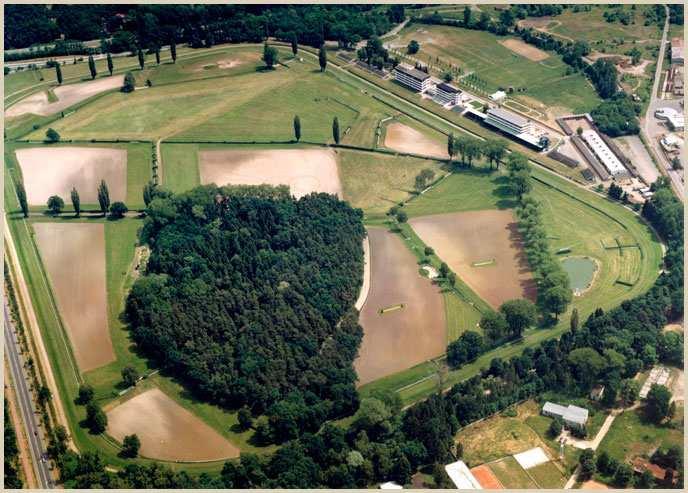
[(73, 255), (484, 249), (545, 80), (510, 473), (403, 317)]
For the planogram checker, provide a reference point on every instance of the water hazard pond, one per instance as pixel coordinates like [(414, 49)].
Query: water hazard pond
[(581, 271)]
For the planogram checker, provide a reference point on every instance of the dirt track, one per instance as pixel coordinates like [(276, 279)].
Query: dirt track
[(462, 238), (402, 138), (74, 258), (67, 96), (525, 50), (55, 170), (167, 430), (304, 170), (405, 337)]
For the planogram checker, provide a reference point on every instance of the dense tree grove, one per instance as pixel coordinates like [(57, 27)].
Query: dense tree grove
[(248, 296), (11, 453), (617, 116), (198, 25)]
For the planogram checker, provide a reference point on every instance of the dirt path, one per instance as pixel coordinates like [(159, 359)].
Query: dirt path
[(29, 475), (365, 287), (31, 323)]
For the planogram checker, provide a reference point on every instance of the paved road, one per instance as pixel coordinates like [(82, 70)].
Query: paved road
[(25, 402), (650, 126)]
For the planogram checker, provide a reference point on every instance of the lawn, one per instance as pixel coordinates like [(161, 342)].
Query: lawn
[(630, 435), (180, 166), (500, 67), (511, 474), (548, 476), (460, 316), (393, 181)]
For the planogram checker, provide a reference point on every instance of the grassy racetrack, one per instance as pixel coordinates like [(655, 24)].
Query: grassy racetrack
[(497, 65)]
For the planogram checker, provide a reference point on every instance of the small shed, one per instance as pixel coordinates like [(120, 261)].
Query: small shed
[(597, 392)]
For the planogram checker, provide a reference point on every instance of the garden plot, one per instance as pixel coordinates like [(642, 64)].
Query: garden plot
[(303, 170), (403, 318), (67, 96), (402, 138), (484, 249), (50, 171), (74, 258), (167, 430)]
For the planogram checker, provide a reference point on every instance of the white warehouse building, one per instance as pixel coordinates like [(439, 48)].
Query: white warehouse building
[(572, 416), (600, 148), (412, 77), (513, 124), (674, 118)]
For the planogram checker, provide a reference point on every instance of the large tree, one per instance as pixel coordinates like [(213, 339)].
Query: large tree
[(55, 204), (269, 55), (657, 403), (322, 58), (173, 51), (142, 60), (58, 72), (519, 315), (92, 66), (76, 202), (335, 130), (297, 128), (103, 197), (110, 65), (21, 196)]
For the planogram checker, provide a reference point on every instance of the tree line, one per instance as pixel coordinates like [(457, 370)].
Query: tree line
[(121, 27)]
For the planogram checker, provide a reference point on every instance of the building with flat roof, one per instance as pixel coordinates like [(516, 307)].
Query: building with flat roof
[(674, 118), (677, 51), (461, 476), (602, 151), (447, 94), (391, 485), (412, 77), (516, 125), (572, 416)]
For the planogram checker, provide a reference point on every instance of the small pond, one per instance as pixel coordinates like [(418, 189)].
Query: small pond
[(581, 271)]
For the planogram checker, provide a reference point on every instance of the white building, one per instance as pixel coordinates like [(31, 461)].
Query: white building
[(602, 151), (498, 96), (412, 77), (447, 94), (677, 51), (674, 118), (461, 476), (391, 485), (572, 416), (513, 124)]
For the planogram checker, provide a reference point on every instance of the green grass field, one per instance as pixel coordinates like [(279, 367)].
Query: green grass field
[(548, 476), (511, 474), (180, 166), (630, 435), (498, 66)]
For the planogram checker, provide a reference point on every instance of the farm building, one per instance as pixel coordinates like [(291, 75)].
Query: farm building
[(672, 117), (461, 476), (515, 125), (604, 154), (447, 94), (677, 51), (412, 77), (572, 416), (641, 465)]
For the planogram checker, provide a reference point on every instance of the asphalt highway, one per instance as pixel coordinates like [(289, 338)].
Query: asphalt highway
[(29, 416)]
